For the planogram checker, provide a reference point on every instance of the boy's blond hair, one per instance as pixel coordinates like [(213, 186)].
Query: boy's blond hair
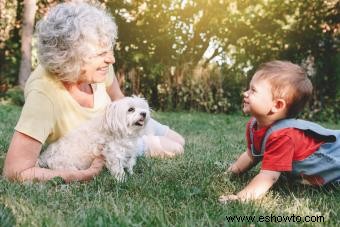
[(289, 82)]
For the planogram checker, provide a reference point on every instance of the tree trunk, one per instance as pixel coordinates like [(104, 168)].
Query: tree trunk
[(26, 40)]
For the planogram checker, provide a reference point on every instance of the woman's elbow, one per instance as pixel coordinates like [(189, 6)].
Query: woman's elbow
[(13, 173), (10, 173)]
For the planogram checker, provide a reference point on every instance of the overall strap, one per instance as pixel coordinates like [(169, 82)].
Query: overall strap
[(251, 135), (298, 124)]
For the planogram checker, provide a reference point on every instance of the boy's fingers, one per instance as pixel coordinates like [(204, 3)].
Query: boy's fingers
[(227, 198)]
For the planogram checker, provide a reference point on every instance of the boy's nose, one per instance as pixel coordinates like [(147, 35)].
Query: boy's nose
[(245, 94)]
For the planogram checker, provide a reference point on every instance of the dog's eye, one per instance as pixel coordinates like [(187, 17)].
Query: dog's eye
[(131, 109)]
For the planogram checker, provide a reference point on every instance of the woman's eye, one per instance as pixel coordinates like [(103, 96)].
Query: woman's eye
[(131, 109)]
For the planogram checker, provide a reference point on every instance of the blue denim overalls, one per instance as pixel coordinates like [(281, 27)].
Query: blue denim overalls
[(325, 162)]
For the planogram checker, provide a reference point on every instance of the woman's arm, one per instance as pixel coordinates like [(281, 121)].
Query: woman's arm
[(257, 187), (23, 154), (242, 164), (114, 90)]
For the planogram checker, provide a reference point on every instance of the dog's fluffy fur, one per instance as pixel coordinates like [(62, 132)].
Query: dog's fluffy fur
[(114, 134)]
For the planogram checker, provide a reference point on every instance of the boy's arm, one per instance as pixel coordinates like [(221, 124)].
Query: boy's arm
[(256, 188), (242, 164)]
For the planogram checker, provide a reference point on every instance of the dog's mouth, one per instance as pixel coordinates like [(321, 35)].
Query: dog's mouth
[(140, 122)]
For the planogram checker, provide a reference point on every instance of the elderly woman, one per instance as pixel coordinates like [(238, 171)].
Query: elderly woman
[(74, 83)]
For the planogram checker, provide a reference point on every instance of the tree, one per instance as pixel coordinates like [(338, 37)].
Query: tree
[(157, 35), (162, 43), (26, 41)]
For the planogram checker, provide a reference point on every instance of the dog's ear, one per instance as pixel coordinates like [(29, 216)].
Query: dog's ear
[(107, 116), (115, 119)]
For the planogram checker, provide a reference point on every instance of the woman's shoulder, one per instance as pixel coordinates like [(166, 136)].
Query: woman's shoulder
[(41, 81)]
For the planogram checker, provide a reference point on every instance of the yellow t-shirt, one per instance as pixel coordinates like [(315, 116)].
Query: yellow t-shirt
[(50, 111)]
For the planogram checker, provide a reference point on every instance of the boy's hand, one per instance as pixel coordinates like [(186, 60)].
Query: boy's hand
[(242, 164), (256, 188), (228, 198), (231, 175), (233, 169)]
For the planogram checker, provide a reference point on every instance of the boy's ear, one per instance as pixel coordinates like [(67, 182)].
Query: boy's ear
[(279, 105)]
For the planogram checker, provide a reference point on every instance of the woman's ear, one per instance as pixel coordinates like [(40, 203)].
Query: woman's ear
[(279, 105)]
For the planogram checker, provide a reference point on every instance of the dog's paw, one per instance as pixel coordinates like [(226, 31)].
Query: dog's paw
[(130, 170), (120, 176)]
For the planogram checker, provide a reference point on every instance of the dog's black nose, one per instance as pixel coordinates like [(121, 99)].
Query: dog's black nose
[(143, 114)]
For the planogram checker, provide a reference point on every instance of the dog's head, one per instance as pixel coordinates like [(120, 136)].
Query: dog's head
[(127, 116)]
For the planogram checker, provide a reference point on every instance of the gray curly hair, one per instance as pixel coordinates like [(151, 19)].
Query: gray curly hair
[(67, 34)]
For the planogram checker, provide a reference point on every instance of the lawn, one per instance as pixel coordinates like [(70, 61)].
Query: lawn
[(182, 191)]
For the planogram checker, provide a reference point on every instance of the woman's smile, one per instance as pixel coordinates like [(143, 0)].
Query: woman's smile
[(104, 69)]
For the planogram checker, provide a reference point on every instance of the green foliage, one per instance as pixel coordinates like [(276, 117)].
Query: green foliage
[(243, 34), (162, 42), (15, 96), (9, 43), (182, 191), (323, 112), (200, 90)]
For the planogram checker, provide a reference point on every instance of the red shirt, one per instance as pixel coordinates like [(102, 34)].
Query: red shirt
[(283, 147)]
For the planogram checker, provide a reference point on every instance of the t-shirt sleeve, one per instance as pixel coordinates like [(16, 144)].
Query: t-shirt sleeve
[(37, 117), (278, 155), (111, 75)]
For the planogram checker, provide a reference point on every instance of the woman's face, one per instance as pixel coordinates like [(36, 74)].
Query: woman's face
[(96, 67)]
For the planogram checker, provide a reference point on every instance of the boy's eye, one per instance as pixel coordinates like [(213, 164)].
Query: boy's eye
[(131, 109), (252, 89)]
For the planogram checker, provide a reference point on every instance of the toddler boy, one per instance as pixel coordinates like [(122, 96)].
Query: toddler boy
[(278, 91)]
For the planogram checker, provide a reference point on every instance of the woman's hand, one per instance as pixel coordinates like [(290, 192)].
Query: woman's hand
[(96, 166)]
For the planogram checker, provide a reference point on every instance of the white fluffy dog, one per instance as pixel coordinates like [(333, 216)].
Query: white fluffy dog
[(115, 134)]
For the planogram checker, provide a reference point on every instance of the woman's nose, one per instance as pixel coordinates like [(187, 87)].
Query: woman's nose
[(109, 58)]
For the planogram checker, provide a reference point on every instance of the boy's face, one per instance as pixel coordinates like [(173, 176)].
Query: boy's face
[(258, 99)]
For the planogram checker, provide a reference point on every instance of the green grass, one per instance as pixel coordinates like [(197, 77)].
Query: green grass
[(174, 192)]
